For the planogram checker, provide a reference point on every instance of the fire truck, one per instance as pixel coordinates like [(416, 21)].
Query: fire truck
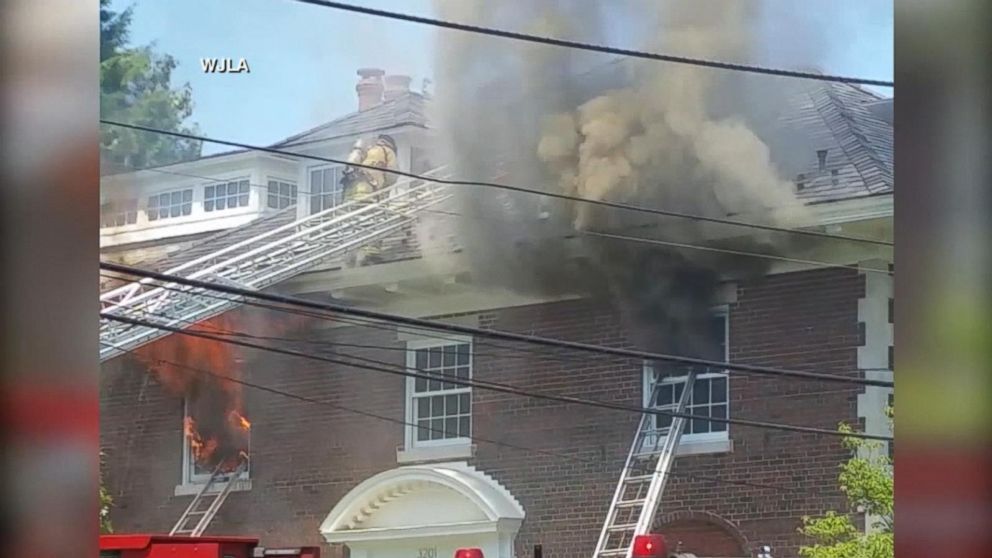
[(169, 546)]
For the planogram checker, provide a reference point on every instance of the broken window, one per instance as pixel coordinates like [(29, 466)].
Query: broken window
[(710, 391), (214, 440), (440, 410), (118, 214)]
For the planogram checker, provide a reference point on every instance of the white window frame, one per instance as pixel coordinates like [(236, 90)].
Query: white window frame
[(294, 197), (189, 474), (413, 346), (312, 192), (112, 214), (688, 439), (181, 191), (225, 183)]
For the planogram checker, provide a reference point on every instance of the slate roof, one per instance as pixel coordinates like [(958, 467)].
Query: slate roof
[(407, 109), (848, 122)]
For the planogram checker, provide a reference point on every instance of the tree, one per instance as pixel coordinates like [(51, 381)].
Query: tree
[(106, 502), (135, 87), (866, 479)]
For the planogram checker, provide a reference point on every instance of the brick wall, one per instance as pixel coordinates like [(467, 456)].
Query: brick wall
[(305, 457)]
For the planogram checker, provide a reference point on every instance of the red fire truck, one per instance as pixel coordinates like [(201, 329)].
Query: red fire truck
[(165, 546)]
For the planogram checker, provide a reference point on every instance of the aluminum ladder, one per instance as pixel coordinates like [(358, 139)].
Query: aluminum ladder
[(635, 501), (213, 499), (259, 262)]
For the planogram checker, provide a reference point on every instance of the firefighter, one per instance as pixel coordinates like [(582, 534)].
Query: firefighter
[(361, 184)]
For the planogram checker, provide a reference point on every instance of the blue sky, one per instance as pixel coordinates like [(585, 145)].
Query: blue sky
[(303, 58)]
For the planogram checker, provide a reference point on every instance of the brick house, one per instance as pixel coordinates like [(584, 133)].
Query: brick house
[(442, 466)]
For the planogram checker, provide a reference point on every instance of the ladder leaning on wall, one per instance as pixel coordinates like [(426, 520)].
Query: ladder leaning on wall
[(642, 480)]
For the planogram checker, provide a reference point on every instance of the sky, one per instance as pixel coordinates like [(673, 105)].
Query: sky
[(303, 58)]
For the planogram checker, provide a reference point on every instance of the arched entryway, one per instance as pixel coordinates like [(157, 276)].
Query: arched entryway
[(425, 511), (703, 534)]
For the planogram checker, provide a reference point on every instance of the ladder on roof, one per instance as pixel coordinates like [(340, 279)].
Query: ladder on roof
[(638, 493), (260, 261), (196, 518)]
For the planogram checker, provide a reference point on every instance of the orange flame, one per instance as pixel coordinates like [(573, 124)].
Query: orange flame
[(195, 367)]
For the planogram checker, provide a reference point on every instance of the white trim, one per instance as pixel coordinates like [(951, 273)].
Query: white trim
[(446, 452), (502, 513), (703, 442), (433, 449), (240, 485)]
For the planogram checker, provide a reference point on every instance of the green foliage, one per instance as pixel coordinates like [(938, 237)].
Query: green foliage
[(866, 480), (106, 502), (135, 87)]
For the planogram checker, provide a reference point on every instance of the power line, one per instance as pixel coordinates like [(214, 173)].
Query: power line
[(493, 334), (601, 234), (552, 356), (593, 47), (493, 386), (450, 182), (474, 438)]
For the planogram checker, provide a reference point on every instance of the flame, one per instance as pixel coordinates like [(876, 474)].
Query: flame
[(194, 368)]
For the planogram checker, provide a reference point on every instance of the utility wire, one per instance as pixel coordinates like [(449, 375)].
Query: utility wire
[(592, 47), (493, 386), (601, 234), (538, 354), (450, 182), (474, 438), (482, 332)]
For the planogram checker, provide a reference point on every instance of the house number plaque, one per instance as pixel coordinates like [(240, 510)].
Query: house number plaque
[(427, 552)]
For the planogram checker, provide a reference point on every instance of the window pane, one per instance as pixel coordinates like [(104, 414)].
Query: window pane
[(187, 208), (420, 385), (434, 385), (232, 188), (243, 200), (153, 201), (174, 210), (273, 201), (187, 195), (463, 427), (451, 427), (273, 187), (435, 357), (208, 205), (700, 392), (221, 202), (663, 421), (464, 403), (208, 192), (451, 404), (666, 395), (152, 214), (177, 198), (719, 390), (463, 353), (423, 430), (449, 355), (421, 359), (679, 388), (437, 429), (423, 407), (243, 187)]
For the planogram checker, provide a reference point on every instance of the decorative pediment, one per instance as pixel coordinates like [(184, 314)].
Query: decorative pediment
[(422, 500)]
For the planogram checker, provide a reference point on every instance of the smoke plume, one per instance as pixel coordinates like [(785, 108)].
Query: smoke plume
[(646, 133)]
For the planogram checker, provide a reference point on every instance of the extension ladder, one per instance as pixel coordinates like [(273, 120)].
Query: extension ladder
[(200, 516), (260, 261), (644, 475)]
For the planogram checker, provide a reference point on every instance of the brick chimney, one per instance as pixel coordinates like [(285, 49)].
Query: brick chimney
[(396, 86), (369, 88)]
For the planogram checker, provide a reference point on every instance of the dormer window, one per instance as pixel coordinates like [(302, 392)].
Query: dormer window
[(229, 195), (169, 205)]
